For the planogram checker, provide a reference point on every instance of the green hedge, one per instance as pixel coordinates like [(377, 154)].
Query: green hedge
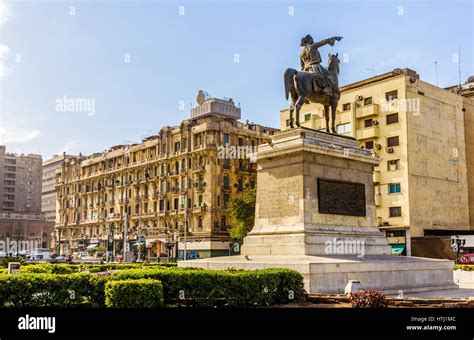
[(208, 288), (181, 287), (466, 267), (57, 268), (142, 293), (39, 290)]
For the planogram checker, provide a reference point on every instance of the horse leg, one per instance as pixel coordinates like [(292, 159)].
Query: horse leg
[(326, 115), (292, 107), (333, 116), (299, 103)]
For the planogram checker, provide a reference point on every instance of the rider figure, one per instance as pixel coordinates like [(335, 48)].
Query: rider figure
[(311, 62)]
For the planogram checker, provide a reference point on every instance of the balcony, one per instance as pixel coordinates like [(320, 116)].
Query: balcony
[(378, 200), (199, 168), (367, 111), (376, 177), (368, 133), (199, 209)]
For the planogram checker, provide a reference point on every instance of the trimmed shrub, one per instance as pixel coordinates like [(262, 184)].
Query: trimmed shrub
[(368, 299), (466, 267), (142, 293), (5, 260), (49, 268), (44, 290), (209, 288), (181, 287), (59, 268)]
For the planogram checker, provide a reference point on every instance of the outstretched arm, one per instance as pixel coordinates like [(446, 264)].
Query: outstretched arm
[(327, 41)]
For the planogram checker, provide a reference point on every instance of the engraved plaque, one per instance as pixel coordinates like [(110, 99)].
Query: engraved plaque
[(341, 198)]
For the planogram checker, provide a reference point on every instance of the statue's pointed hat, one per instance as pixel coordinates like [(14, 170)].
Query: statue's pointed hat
[(306, 39)]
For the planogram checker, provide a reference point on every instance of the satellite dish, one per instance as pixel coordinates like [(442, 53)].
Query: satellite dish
[(202, 96)]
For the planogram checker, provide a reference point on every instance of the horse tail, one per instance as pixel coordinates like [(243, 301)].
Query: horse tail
[(288, 77)]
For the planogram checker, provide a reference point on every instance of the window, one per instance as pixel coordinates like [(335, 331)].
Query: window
[(393, 141), (226, 182), (391, 95), (368, 123), (368, 101), (226, 199), (287, 123), (343, 128), (226, 139), (394, 188), (392, 118), (176, 202), (393, 164), (395, 211), (177, 146), (346, 107), (307, 117), (240, 185), (369, 145)]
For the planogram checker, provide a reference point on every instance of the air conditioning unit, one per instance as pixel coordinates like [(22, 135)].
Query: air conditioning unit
[(359, 97), (378, 146), (375, 122), (389, 149)]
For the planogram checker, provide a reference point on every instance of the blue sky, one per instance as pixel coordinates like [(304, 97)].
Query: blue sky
[(46, 53)]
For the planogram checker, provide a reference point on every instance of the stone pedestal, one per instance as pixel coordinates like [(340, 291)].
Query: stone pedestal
[(314, 190), (315, 213)]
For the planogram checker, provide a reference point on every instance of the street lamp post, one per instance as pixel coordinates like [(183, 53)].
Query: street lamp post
[(185, 225), (19, 234), (457, 245)]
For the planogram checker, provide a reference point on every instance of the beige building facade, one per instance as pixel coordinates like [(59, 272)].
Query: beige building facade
[(423, 135), (149, 192), (48, 188)]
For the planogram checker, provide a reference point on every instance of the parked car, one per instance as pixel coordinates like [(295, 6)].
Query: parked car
[(59, 259), (467, 259)]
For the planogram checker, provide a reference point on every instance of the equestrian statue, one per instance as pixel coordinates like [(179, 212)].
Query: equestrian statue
[(314, 83)]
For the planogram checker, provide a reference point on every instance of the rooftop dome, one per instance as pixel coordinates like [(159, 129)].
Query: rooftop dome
[(470, 79)]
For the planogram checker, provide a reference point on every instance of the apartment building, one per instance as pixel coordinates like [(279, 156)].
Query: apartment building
[(149, 192), (48, 188), (424, 137), (20, 182)]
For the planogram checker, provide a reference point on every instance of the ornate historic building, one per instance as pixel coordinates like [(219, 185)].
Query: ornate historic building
[(424, 184), (48, 189), (150, 191)]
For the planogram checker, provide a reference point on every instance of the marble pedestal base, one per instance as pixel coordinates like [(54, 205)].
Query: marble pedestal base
[(330, 274)]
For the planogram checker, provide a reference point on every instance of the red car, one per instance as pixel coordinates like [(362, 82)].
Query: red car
[(467, 259)]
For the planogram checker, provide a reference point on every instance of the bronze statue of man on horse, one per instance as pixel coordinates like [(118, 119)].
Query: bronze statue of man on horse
[(314, 83)]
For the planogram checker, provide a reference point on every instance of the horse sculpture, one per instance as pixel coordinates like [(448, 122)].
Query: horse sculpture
[(299, 86)]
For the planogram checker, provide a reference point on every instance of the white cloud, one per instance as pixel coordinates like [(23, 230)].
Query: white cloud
[(5, 12), (14, 135), (4, 52)]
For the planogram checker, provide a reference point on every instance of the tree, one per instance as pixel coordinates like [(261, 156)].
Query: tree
[(242, 214)]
